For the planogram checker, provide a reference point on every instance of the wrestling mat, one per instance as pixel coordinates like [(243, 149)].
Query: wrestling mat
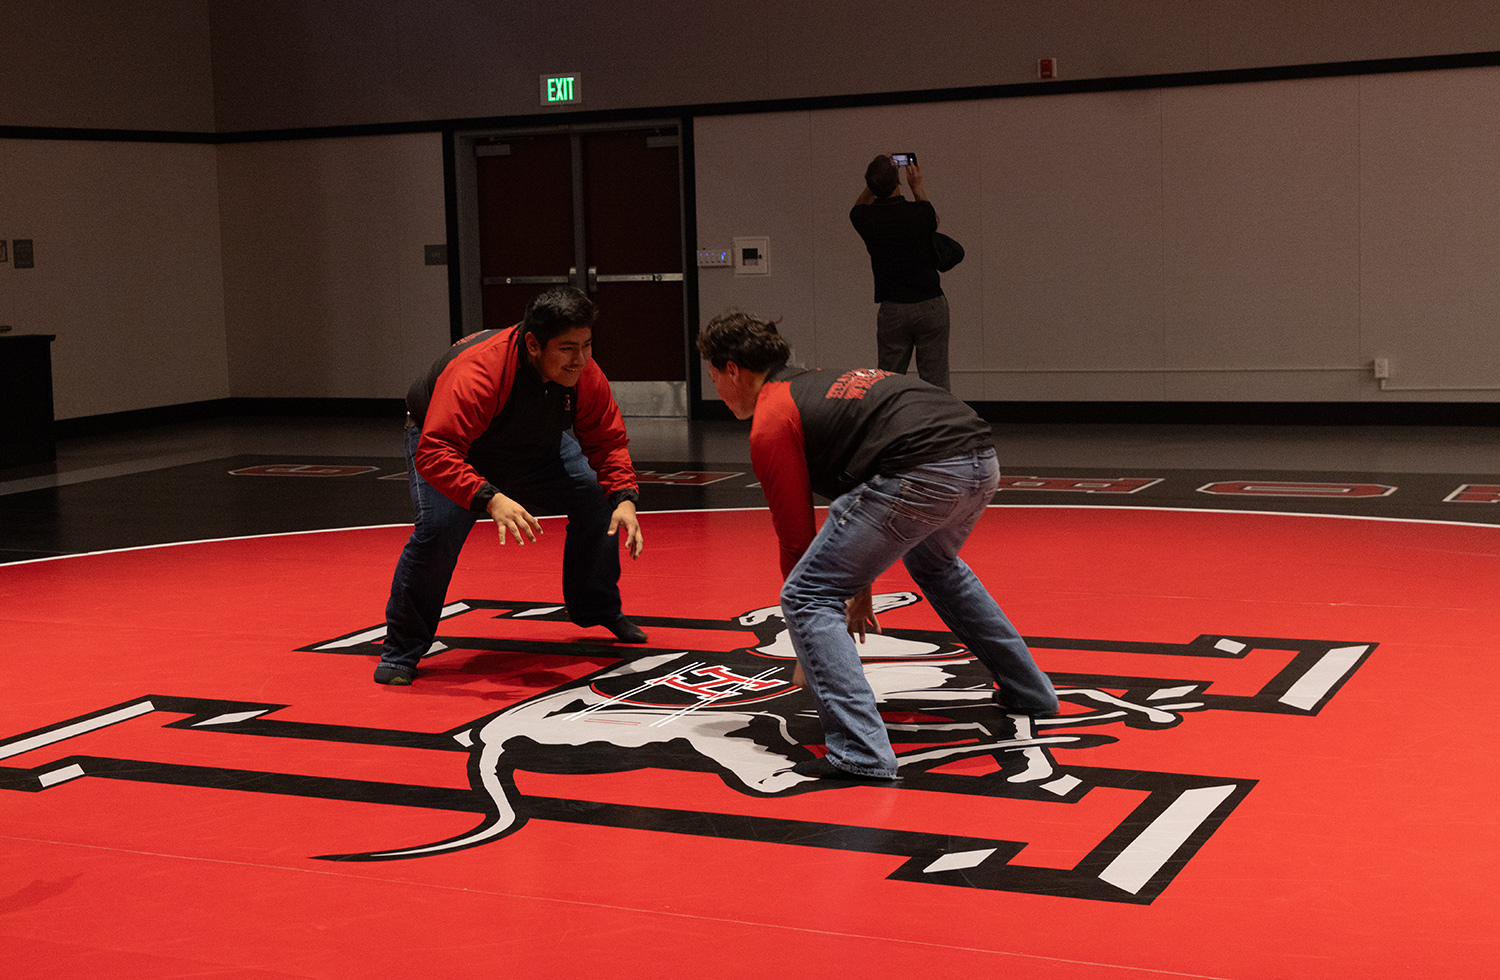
[(1264, 767)]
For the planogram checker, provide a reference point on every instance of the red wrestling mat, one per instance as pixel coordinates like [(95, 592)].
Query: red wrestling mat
[(1264, 767)]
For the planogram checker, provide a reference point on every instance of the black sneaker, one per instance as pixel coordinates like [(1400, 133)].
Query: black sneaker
[(396, 676), (821, 768), (625, 631)]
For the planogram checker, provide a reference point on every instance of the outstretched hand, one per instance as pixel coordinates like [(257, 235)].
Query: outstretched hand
[(859, 614), (625, 515), (511, 516)]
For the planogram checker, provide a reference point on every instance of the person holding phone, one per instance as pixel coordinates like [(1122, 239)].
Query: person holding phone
[(913, 313)]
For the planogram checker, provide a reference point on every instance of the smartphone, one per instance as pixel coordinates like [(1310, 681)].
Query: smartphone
[(903, 159)]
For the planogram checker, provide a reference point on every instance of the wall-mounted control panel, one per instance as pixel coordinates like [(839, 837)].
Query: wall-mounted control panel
[(752, 256)]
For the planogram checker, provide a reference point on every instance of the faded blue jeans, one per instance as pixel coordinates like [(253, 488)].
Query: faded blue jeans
[(921, 516), (591, 558)]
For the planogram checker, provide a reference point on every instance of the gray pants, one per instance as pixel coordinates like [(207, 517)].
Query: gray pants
[(900, 327)]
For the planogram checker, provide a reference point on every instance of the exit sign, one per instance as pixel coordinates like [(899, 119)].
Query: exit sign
[(562, 89)]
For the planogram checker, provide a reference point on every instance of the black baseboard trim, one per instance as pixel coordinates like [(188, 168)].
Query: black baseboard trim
[(1242, 413), (354, 408), (1089, 413), (706, 410), (91, 425), (1209, 413)]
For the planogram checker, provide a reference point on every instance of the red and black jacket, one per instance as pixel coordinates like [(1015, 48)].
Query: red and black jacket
[(462, 396), (826, 433)]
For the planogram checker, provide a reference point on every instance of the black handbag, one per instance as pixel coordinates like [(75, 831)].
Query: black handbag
[(946, 252)]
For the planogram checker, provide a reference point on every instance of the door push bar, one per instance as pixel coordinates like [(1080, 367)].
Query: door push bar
[(594, 279)]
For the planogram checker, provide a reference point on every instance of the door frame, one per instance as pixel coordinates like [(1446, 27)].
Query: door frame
[(466, 279)]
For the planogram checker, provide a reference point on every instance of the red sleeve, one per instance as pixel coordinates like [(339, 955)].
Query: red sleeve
[(779, 455), (601, 432), (465, 399)]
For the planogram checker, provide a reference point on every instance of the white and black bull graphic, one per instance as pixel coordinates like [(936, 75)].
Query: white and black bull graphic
[(737, 715)]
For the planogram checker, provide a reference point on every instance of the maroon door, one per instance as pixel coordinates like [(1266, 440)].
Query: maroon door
[(633, 219), (525, 222), (601, 210)]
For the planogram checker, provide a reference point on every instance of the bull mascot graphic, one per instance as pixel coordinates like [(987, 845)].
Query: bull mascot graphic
[(737, 715)]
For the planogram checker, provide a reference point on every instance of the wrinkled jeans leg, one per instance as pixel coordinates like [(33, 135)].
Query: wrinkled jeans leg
[(922, 515), (966, 606), (854, 545), (420, 583), (591, 557)]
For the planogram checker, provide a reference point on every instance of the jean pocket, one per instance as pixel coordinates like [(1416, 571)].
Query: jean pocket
[(920, 508), (844, 505)]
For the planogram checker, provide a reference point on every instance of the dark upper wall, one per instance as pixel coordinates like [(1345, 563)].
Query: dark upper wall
[(236, 65), (308, 63), (106, 64)]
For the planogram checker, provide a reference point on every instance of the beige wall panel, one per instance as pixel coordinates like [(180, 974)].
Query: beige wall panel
[(425, 318), (1215, 233), (1064, 386), (1180, 386), (1072, 253), (1334, 386), (945, 138), (1261, 184), (124, 64), (754, 178), (326, 291), (794, 177), (1430, 228), (127, 271)]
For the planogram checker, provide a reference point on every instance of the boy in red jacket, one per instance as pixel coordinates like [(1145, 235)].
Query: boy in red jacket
[(487, 434)]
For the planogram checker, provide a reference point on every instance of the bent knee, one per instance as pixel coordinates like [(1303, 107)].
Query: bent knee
[(799, 602)]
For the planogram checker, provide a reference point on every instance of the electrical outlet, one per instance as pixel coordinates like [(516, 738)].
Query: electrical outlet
[(1382, 367)]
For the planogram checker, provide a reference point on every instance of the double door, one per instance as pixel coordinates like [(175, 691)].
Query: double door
[(600, 210)]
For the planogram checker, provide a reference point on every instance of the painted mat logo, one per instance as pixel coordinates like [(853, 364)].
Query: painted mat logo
[(1034, 818)]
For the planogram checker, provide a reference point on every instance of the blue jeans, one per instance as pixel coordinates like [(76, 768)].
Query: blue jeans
[(591, 558), (921, 516)]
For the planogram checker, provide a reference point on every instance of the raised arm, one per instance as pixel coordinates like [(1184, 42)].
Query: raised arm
[(914, 181)]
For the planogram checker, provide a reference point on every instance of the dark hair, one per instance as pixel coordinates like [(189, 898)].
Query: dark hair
[(881, 177), (558, 310), (748, 341)]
